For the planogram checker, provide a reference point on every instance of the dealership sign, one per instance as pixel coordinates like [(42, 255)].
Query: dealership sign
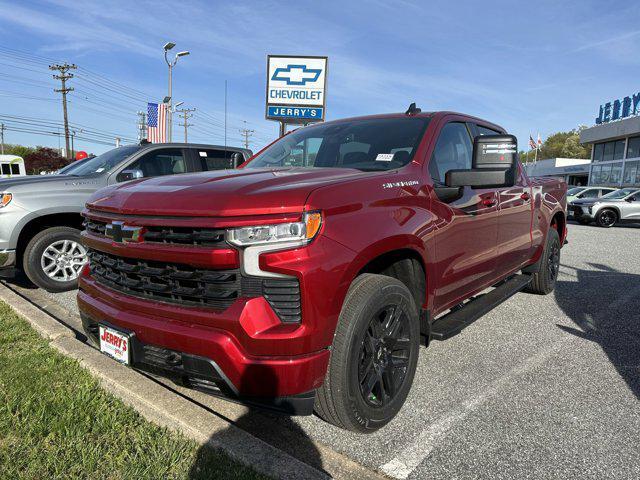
[(296, 88), (619, 109)]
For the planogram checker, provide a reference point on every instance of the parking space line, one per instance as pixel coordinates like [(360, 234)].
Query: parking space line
[(415, 453)]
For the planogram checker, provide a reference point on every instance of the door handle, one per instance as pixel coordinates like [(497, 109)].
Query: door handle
[(525, 196), (489, 202)]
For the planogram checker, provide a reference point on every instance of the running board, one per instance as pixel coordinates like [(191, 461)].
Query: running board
[(454, 322)]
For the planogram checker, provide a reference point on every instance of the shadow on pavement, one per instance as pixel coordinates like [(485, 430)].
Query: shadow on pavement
[(605, 304), (281, 432)]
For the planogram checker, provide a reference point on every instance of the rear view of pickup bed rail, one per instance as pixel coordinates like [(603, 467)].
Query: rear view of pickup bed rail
[(306, 280)]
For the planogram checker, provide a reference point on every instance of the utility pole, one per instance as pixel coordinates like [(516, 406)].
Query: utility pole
[(142, 126), (186, 115), (63, 77), (1, 138), (246, 133)]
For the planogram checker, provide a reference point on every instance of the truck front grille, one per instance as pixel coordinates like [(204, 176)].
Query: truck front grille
[(168, 282), (186, 285), (204, 237)]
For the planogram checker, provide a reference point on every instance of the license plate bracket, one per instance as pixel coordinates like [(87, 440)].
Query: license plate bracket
[(115, 343)]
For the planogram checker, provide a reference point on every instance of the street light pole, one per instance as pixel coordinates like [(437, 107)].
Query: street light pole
[(168, 46)]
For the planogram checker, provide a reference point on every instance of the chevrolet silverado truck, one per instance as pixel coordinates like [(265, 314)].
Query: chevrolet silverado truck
[(306, 280), (40, 220)]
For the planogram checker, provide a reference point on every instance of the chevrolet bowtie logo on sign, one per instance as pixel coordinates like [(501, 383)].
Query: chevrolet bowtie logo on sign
[(296, 74), (121, 233), (296, 88)]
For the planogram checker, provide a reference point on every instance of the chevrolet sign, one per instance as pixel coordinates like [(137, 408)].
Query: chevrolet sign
[(296, 88)]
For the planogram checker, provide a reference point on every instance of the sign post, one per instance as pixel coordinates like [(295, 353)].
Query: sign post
[(296, 89)]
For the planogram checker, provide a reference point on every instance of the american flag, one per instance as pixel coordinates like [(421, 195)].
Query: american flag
[(532, 142), (156, 122)]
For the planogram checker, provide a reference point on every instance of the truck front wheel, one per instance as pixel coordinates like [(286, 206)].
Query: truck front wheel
[(544, 280), (54, 258), (374, 355)]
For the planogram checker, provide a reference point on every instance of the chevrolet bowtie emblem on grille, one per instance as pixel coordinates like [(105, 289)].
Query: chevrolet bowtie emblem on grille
[(121, 233)]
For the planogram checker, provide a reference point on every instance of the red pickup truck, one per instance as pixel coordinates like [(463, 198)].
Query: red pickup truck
[(307, 279)]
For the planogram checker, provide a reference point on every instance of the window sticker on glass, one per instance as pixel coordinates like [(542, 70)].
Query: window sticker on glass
[(203, 154), (384, 157)]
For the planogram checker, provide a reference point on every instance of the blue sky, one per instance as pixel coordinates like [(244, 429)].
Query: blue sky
[(543, 66)]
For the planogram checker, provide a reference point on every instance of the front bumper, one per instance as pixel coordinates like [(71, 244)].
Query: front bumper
[(212, 359), (7, 259), (579, 213)]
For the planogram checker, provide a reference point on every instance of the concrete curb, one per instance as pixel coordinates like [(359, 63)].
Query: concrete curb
[(159, 405)]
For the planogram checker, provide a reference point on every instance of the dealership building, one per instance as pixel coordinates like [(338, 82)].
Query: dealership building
[(615, 141)]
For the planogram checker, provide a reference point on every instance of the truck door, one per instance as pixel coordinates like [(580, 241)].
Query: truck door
[(467, 231), (514, 220), (514, 225)]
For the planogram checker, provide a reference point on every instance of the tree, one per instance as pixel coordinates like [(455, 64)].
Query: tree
[(43, 159), (19, 150), (565, 145)]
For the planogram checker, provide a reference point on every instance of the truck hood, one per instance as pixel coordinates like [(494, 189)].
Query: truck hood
[(30, 183), (221, 193)]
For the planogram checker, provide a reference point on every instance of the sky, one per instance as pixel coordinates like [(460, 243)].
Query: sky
[(534, 67)]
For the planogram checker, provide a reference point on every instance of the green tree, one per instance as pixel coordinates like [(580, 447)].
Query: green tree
[(565, 145)]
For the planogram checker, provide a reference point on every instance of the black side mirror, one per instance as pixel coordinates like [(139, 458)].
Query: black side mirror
[(126, 175), (632, 198), (494, 164)]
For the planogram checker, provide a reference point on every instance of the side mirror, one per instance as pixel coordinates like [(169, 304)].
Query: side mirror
[(126, 175), (236, 159), (494, 164), (632, 198)]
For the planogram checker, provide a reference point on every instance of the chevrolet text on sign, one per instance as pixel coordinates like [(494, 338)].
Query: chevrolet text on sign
[(296, 88)]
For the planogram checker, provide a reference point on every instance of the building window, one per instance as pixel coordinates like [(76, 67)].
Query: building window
[(633, 147), (630, 170), (596, 174), (604, 152), (598, 150), (616, 173)]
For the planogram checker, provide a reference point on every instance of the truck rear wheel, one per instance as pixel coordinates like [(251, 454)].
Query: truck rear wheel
[(54, 258), (544, 280), (374, 355)]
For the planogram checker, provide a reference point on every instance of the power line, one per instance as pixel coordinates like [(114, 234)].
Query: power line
[(63, 77)]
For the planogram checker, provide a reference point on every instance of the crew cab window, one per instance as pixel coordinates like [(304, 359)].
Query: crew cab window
[(486, 131), (452, 152), (160, 162), (214, 159)]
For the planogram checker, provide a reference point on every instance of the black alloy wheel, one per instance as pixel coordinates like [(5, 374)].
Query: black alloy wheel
[(384, 356), (607, 218)]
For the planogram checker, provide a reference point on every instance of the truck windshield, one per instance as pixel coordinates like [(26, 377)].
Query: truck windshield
[(366, 144), (102, 163), (623, 192)]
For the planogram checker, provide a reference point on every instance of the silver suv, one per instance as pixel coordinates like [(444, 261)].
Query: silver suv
[(40, 218), (616, 207)]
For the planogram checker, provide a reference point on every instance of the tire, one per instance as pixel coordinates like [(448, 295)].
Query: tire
[(606, 218), (359, 358), (544, 280), (54, 258)]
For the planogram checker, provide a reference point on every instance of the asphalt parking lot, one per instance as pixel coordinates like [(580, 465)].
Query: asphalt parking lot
[(541, 387)]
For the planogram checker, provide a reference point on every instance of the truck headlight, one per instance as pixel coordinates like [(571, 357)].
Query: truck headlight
[(5, 199), (301, 232)]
